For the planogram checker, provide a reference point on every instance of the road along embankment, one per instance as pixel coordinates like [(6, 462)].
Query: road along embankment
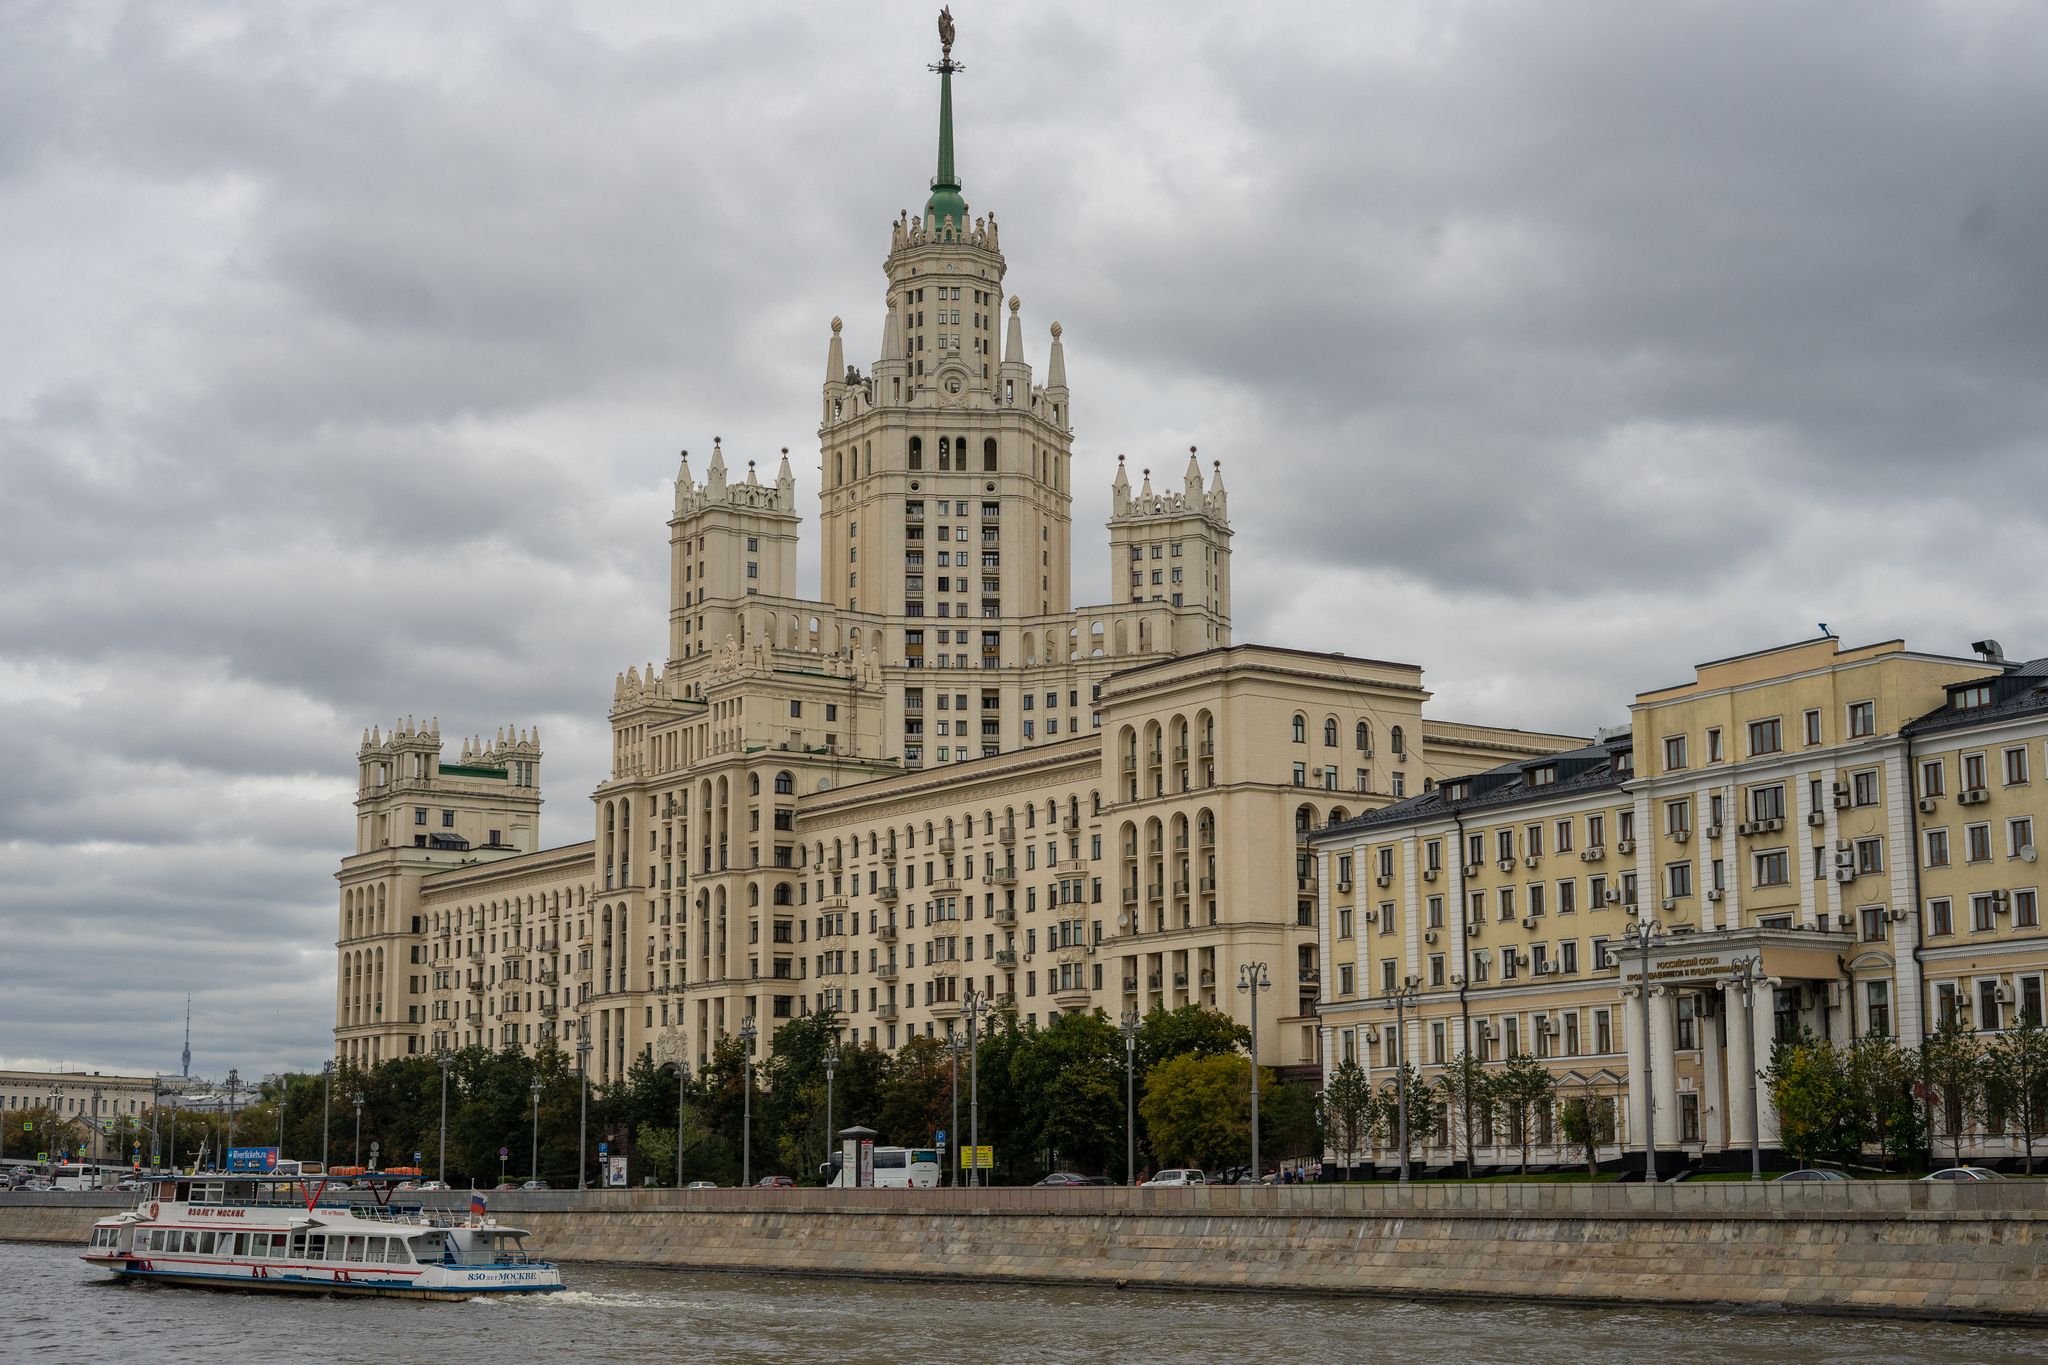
[(1882, 1248)]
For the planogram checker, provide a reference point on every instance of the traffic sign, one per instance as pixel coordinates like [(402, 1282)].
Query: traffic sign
[(940, 1140), (981, 1158), (602, 1148), (504, 1152)]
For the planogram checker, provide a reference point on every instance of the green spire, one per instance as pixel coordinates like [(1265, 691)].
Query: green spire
[(946, 201)]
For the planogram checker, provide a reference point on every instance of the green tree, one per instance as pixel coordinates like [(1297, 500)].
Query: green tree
[(1952, 1070), (1879, 1079), (1349, 1111), (1523, 1088), (1808, 1087), (1071, 1075), (1465, 1091), (1191, 1030), (1290, 1123), (31, 1132), (1579, 1120), (1198, 1110), (2016, 1073), (1425, 1108), (918, 1095)]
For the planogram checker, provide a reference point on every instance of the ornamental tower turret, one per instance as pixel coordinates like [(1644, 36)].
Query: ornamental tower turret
[(947, 431)]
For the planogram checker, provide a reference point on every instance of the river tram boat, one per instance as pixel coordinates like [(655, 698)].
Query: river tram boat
[(316, 1235)]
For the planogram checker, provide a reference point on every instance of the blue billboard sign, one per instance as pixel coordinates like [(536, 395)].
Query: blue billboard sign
[(257, 1160)]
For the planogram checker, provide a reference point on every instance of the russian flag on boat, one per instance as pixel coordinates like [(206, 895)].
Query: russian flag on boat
[(476, 1203)]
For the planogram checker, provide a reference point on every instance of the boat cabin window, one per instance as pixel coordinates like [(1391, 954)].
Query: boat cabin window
[(429, 1246)]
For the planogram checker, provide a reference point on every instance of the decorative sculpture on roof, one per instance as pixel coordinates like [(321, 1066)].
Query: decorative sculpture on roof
[(946, 31)]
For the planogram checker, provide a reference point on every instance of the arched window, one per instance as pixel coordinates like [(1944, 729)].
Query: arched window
[(753, 893), (927, 834), (988, 455), (1364, 738), (1330, 733), (782, 896), (785, 784), (1300, 730), (753, 784), (839, 468), (1394, 739), (916, 452), (945, 452)]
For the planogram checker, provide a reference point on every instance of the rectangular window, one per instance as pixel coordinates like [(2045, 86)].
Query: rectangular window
[(1596, 831), (2015, 767), (1344, 980), (1533, 841), (1677, 817), (1862, 719), (1813, 727), (1973, 772), (1435, 911), (1603, 1031), (1344, 914), (1535, 890), (2019, 837), (1567, 898), (1568, 956), (1869, 856), (1680, 879), (1983, 917), (1564, 836), (1864, 788), (2026, 911), (1767, 736), (1767, 803), (1941, 917), (1386, 917), (1937, 848), (1930, 778), (1877, 1007), (1977, 840), (1674, 752), (1596, 892), (1714, 745), (1771, 869), (1872, 917)]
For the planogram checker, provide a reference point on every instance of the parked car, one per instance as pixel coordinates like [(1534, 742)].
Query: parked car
[(534, 1185), (507, 1185), (1807, 1177), (1964, 1173), (432, 1185), (1177, 1177), (1100, 1180), (775, 1182), (702, 1185), (1066, 1178)]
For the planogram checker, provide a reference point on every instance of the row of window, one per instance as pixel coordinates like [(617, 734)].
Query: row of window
[(1767, 736)]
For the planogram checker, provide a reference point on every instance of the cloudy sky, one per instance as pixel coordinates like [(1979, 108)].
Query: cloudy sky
[(347, 348)]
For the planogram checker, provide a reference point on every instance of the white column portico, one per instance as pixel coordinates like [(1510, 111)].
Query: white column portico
[(1663, 1067), (1638, 1059)]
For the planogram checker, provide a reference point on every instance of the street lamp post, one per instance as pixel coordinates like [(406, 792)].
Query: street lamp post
[(56, 1112), (96, 1134), (1400, 1002), (234, 1087), (583, 1120), (326, 1111), (359, 1128), (1745, 974), (1640, 938), (747, 1035), (1251, 979), (445, 1061), (1129, 1029), (536, 1087), (971, 1007), (954, 1043), (831, 1065), (683, 1094)]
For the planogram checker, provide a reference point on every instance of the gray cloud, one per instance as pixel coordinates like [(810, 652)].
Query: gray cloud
[(349, 349)]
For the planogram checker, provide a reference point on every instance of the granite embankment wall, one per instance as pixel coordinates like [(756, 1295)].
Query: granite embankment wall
[(1970, 1252)]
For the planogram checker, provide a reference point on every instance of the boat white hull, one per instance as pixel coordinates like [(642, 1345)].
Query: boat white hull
[(432, 1282)]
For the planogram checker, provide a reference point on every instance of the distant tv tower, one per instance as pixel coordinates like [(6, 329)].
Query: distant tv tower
[(185, 1065)]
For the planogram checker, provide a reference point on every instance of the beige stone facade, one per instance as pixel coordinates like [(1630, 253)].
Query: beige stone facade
[(1861, 821), (936, 776)]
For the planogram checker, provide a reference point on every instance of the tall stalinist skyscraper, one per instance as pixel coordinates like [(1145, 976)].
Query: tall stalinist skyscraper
[(936, 776)]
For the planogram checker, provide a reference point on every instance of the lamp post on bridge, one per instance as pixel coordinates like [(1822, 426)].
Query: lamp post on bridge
[(1251, 979)]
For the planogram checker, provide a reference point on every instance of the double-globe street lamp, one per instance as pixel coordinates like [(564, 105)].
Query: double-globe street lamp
[(1746, 974), (831, 1065), (583, 1120), (972, 1007), (1641, 938), (683, 1095), (748, 1032), (1251, 979), (1129, 1029), (1400, 1002), (536, 1087)]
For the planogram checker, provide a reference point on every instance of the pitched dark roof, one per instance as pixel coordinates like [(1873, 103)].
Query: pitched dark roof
[(2022, 691), (1586, 769)]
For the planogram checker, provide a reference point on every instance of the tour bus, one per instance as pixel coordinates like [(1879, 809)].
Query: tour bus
[(74, 1175), (896, 1168)]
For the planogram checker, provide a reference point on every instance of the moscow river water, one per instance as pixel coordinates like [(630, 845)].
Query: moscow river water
[(57, 1309)]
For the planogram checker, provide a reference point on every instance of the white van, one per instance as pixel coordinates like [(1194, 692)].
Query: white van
[(1178, 1177), (896, 1168)]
